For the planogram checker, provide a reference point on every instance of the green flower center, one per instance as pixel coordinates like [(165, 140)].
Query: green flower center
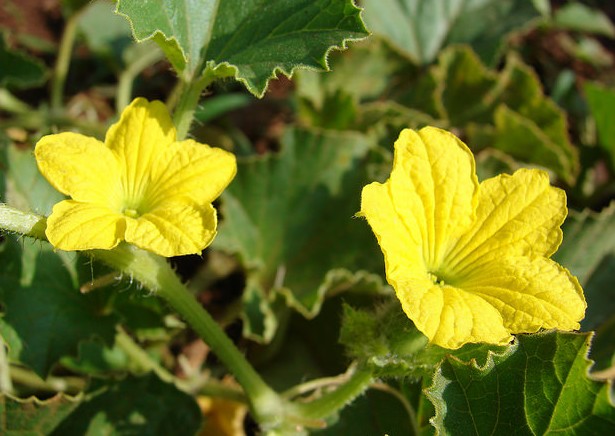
[(131, 213)]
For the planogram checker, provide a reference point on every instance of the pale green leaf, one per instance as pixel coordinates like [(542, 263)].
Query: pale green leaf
[(251, 40), (539, 386), (601, 102), (422, 28), (579, 17), (588, 251)]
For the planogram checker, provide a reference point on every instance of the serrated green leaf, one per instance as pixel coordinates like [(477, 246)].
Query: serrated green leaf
[(422, 28), (601, 101), (507, 111), (460, 75), (32, 416), (539, 386), (289, 217), (389, 343), (19, 69), (135, 405), (251, 40)]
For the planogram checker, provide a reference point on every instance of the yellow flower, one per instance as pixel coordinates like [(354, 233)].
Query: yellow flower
[(470, 262), (140, 185)]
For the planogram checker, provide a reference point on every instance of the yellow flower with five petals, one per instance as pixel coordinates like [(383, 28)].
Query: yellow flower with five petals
[(470, 262), (141, 185)]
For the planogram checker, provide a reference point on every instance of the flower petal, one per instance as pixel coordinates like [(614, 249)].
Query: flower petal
[(400, 245), (192, 170), (79, 166), (448, 316), (143, 132), (433, 187), (530, 293), (174, 230), (517, 215), (82, 226)]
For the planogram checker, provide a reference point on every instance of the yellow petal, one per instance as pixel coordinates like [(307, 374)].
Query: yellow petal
[(433, 187), (193, 171), (400, 244), (79, 166), (530, 293), (448, 316), (143, 132), (82, 226), (174, 230), (517, 215)]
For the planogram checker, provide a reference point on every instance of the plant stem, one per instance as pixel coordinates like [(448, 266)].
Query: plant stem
[(188, 101), (63, 61), (6, 385), (157, 275), (335, 400), (126, 79), (25, 377), (28, 224)]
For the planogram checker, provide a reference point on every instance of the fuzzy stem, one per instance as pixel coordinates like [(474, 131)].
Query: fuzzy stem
[(188, 101), (28, 224)]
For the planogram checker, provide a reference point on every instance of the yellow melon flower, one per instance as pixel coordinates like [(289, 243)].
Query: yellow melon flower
[(470, 262), (140, 185)]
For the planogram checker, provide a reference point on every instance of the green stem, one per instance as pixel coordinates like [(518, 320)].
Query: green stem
[(63, 61), (6, 385), (188, 101), (28, 224), (25, 377), (158, 276), (126, 79), (333, 401)]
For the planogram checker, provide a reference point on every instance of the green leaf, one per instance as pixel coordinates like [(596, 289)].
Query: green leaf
[(588, 251), (33, 416), (588, 238), (507, 111), (289, 218), (539, 386), (251, 40), (18, 69), (374, 413), (389, 343), (422, 28), (135, 405), (26, 188), (106, 33), (43, 305), (601, 102), (579, 17)]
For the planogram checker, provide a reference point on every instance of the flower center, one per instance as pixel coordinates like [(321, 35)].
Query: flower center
[(131, 213), (439, 277)]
